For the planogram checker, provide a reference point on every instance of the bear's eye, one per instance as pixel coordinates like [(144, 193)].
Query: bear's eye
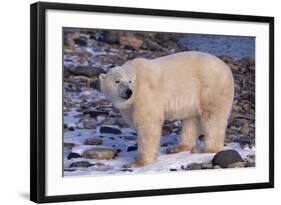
[(117, 81), (130, 81)]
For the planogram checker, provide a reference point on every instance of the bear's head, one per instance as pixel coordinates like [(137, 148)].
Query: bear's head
[(118, 85)]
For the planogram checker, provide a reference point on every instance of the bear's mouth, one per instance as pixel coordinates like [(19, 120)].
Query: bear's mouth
[(126, 94)]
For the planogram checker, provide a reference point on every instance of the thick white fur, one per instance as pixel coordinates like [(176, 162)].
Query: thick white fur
[(195, 87)]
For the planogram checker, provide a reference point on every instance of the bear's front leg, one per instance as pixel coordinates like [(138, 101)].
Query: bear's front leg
[(149, 132)]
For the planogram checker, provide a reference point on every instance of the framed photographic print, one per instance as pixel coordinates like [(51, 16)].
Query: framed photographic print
[(129, 102)]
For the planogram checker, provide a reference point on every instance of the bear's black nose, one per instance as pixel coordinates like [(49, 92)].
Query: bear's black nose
[(128, 93)]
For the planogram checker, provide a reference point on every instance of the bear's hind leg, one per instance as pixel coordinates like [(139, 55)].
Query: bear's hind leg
[(190, 132), (214, 127)]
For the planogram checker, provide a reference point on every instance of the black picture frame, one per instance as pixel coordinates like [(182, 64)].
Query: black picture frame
[(38, 100)]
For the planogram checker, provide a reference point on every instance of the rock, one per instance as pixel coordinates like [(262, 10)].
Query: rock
[(100, 153), (230, 138), (108, 121), (245, 130), (94, 113), (246, 106), (99, 164), (89, 124), (69, 38), (84, 164), (71, 129), (70, 126), (80, 41), (112, 36), (167, 129), (240, 123), (87, 71), (126, 170), (245, 140), (110, 130), (207, 165), (132, 148), (236, 165), (226, 157), (68, 144), (134, 133), (248, 95), (154, 46), (133, 137), (247, 116), (250, 164), (173, 170), (73, 155), (130, 42), (252, 68), (93, 141), (192, 166), (248, 61), (69, 170), (237, 108)]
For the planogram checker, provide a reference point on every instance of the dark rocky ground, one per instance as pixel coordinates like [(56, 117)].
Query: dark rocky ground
[(94, 131)]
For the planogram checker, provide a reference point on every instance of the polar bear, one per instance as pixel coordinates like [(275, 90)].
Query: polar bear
[(194, 87)]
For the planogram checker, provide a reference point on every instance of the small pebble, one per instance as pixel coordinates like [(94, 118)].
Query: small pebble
[(100, 153), (89, 124), (85, 164), (110, 130), (93, 141), (132, 148), (99, 164), (68, 144), (73, 155), (130, 137), (126, 170), (71, 129), (69, 170)]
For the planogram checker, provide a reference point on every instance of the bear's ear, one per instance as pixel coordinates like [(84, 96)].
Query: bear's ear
[(133, 77), (102, 76)]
